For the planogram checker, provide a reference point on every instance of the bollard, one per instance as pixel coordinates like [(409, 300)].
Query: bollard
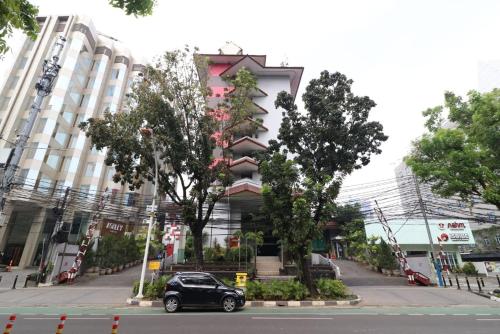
[(26, 282), (60, 327), (482, 282), (10, 324), (449, 280), (444, 281), (498, 280), (468, 284), (15, 282), (458, 283), (114, 329), (478, 284)]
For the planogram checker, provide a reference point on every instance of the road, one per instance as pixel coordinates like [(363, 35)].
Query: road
[(251, 321)]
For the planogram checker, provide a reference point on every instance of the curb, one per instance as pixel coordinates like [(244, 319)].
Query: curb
[(262, 303)]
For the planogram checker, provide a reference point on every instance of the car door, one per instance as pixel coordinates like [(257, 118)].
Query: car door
[(189, 291), (208, 291)]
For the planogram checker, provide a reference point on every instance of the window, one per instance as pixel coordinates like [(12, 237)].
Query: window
[(486, 241), (44, 184), (13, 82), (23, 175), (61, 137), (4, 102), (206, 280), (89, 170), (84, 190), (90, 83), (130, 199), (41, 125), (114, 194), (110, 91), (22, 62), (53, 161), (498, 239), (32, 150), (65, 164), (84, 102), (115, 72)]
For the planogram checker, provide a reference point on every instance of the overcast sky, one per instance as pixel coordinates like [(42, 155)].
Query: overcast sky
[(403, 54)]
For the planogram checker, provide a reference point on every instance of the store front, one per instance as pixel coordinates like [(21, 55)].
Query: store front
[(412, 236)]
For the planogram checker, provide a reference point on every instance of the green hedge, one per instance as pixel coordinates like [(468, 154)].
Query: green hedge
[(331, 289), (152, 291)]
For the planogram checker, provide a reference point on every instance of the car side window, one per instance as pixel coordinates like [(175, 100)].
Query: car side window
[(206, 280), (186, 280)]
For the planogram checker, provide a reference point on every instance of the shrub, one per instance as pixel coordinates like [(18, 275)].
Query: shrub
[(152, 291), (330, 288), (234, 254), (385, 258), (469, 269), (228, 282), (276, 290)]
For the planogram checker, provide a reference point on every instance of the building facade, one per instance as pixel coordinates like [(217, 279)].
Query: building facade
[(96, 73), (250, 136)]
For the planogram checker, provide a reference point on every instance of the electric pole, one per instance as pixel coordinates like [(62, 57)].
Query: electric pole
[(43, 87), (424, 214)]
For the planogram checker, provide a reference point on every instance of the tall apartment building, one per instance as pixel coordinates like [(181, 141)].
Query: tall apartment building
[(96, 73), (250, 136)]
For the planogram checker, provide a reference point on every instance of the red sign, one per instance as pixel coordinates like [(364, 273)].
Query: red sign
[(169, 249), (456, 226), (234, 242)]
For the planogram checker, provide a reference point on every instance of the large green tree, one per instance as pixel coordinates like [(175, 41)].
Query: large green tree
[(461, 156), (21, 14), (328, 141), (172, 101)]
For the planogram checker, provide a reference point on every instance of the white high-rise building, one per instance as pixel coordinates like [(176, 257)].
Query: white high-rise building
[(96, 73)]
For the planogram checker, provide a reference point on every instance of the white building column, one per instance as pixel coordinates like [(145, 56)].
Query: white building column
[(34, 234)]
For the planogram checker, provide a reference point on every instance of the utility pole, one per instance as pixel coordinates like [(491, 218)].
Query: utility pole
[(43, 87), (55, 236), (424, 214)]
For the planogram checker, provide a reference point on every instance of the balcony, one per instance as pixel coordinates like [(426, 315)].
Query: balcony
[(246, 144), (244, 165)]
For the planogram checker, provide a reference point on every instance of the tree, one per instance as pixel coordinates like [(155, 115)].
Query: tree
[(21, 14), (16, 14), (328, 141), (461, 157), (172, 101)]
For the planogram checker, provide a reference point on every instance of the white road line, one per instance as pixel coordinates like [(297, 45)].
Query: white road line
[(288, 318), (392, 314), (438, 314), (415, 314), (459, 314), (482, 314), (68, 318), (488, 319)]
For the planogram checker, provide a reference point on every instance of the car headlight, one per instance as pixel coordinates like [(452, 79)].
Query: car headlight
[(240, 292)]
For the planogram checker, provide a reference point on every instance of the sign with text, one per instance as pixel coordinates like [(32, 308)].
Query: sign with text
[(113, 227)]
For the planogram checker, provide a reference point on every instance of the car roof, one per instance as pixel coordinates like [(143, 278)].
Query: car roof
[(189, 273)]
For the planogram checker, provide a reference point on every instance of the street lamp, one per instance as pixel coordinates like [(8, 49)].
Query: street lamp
[(147, 132)]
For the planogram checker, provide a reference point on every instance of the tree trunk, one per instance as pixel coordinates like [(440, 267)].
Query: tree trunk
[(304, 273), (198, 248)]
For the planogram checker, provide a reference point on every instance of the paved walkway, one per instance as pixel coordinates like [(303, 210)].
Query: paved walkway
[(376, 289)]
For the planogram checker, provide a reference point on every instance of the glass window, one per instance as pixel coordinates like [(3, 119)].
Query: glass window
[(65, 164), (23, 175), (486, 241), (53, 161), (89, 170), (84, 102), (206, 280), (4, 102), (13, 82), (61, 137), (44, 184), (110, 91), (68, 116), (115, 72), (41, 125), (90, 83), (22, 62), (498, 239), (84, 190), (32, 150), (72, 142)]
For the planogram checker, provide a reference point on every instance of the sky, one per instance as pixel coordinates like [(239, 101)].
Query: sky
[(402, 54)]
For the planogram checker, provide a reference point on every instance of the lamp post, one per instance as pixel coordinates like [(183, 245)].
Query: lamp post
[(147, 132)]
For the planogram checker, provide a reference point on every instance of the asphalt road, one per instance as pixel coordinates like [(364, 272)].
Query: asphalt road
[(269, 322)]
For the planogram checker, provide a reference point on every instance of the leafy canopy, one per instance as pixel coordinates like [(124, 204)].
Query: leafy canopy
[(462, 156)]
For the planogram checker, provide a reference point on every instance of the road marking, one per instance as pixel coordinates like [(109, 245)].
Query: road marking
[(483, 314), (415, 313), (459, 314), (288, 318), (107, 318), (488, 319), (440, 314), (392, 314)]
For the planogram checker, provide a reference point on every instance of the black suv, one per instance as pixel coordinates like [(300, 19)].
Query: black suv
[(195, 289)]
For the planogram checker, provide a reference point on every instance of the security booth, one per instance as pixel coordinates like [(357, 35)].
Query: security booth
[(412, 236)]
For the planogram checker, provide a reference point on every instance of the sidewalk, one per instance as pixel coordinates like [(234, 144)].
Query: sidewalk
[(9, 277)]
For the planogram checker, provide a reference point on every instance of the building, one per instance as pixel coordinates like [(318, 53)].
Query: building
[(96, 73), (412, 237), (479, 214), (252, 135)]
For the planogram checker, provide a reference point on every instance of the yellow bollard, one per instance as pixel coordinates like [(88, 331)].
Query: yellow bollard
[(114, 329), (10, 324), (60, 327), (241, 280)]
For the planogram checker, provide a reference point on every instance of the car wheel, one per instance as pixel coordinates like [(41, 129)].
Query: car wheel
[(229, 304), (172, 304)]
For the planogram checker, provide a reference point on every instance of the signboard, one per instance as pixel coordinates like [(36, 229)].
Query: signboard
[(113, 227), (414, 231), (154, 265), (234, 242)]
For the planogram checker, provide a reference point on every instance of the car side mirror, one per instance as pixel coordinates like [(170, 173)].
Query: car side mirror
[(217, 285)]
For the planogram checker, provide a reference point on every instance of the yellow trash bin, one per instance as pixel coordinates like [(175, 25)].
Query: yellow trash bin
[(241, 280)]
